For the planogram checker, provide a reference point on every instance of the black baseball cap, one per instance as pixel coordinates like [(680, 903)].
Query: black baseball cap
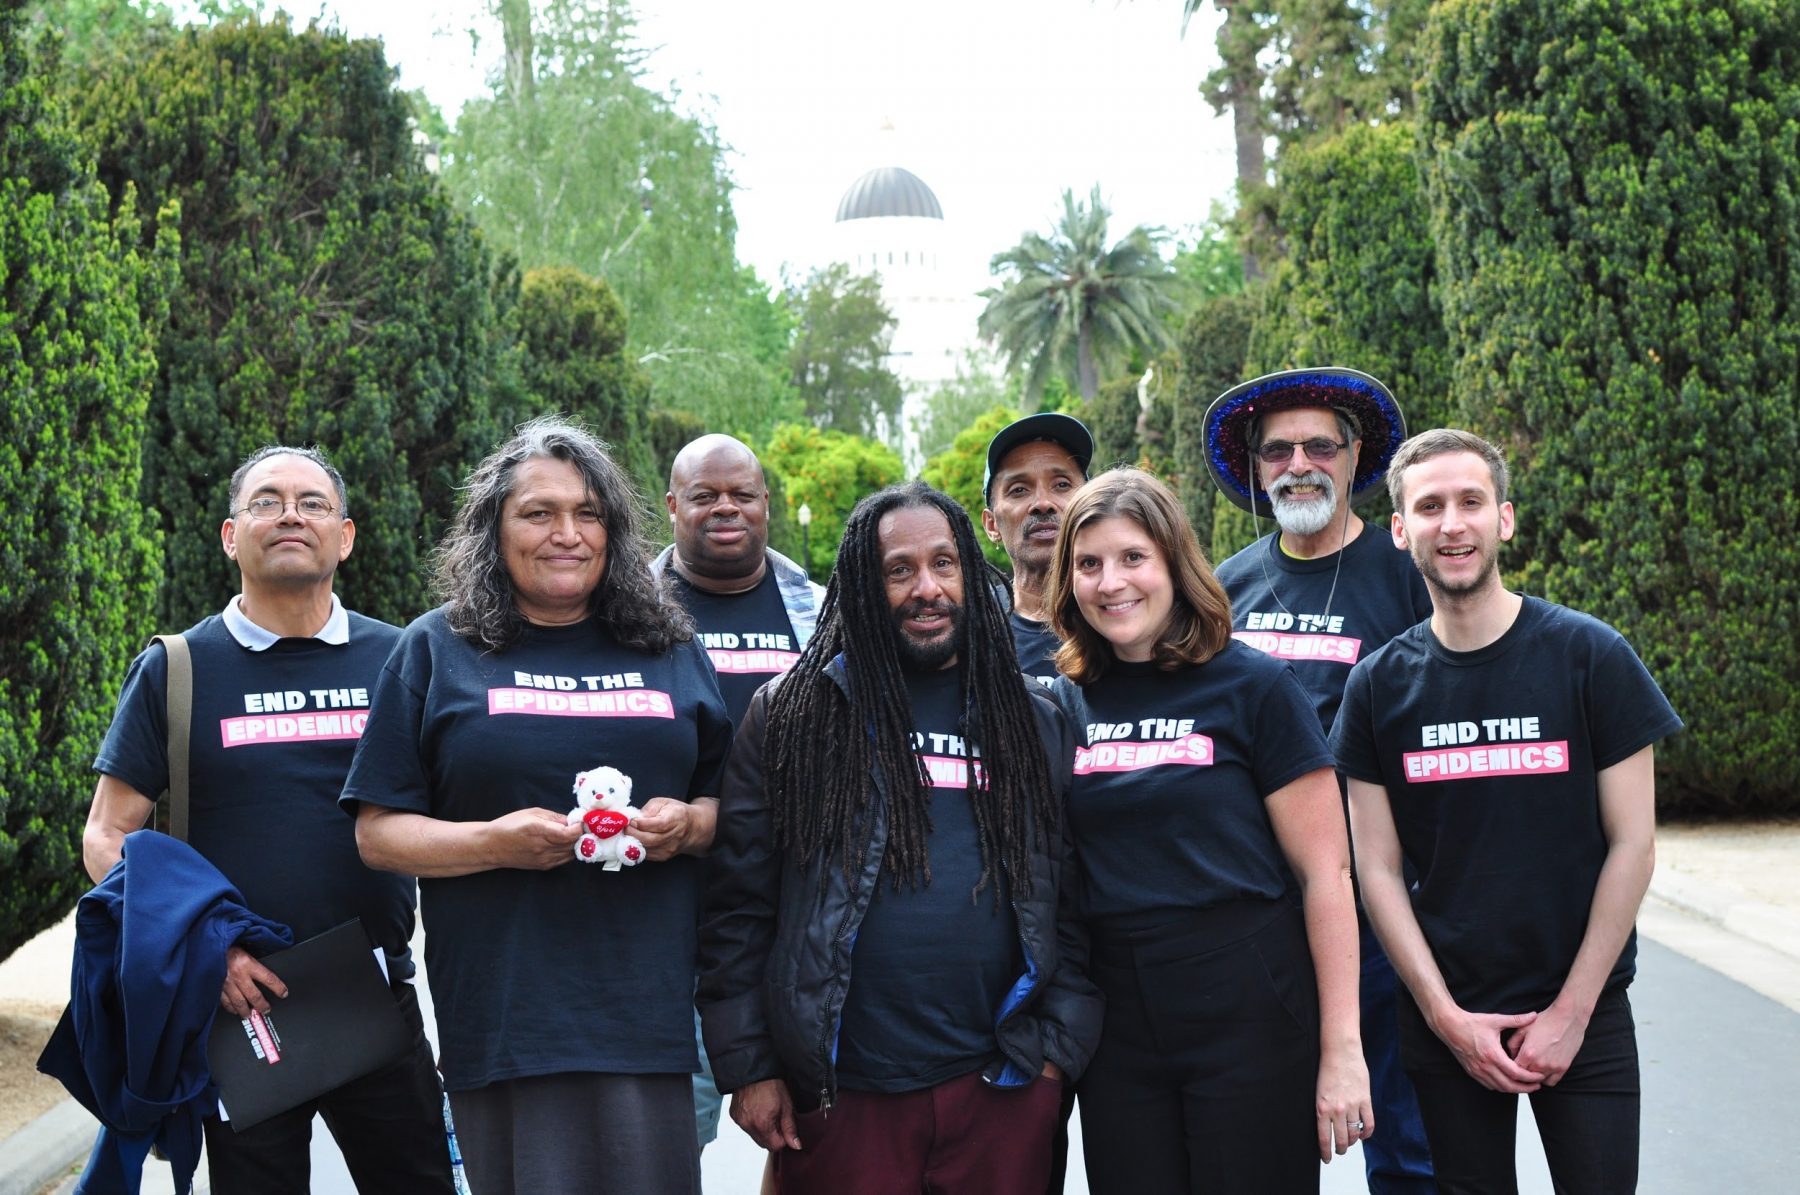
[(1054, 426)]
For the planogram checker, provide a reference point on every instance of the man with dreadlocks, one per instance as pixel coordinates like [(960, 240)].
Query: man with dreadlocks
[(1320, 591), (885, 878)]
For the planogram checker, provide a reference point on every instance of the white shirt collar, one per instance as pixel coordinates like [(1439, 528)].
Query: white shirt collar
[(336, 630)]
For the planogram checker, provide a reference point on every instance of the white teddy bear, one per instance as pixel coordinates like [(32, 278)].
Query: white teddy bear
[(603, 805)]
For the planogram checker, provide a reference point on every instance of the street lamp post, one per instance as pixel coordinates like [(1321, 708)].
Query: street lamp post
[(804, 514)]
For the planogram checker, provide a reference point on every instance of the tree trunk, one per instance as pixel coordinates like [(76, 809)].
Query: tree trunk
[(515, 26), (1087, 371), (1239, 42)]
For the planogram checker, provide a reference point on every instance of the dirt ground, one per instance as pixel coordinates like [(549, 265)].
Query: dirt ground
[(1760, 860), (24, 1094)]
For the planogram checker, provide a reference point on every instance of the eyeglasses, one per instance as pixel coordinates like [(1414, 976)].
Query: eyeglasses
[(267, 507), (1318, 450)]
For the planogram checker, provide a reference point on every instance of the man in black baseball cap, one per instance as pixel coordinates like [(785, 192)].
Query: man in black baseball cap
[(1034, 467)]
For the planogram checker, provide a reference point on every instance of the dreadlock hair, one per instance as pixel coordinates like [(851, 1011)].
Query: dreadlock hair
[(823, 745)]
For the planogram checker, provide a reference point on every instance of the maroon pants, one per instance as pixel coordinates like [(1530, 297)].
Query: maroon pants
[(960, 1136)]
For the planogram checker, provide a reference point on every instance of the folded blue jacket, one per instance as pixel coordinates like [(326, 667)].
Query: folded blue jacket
[(150, 943)]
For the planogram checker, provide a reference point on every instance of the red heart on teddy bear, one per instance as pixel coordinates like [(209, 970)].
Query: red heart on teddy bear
[(604, 823)]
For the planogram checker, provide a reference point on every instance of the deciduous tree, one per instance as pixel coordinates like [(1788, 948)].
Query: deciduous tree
[(574, 162), (959, 469), (949, 409), (829, 472), (838, 358)]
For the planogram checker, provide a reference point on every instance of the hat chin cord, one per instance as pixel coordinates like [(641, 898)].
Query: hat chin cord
[(1262, 558)]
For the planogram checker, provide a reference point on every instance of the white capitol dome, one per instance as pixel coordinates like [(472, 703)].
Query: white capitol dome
[(889, 191), (890, 223)]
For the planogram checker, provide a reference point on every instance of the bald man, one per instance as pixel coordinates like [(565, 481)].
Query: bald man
[(753, 607)]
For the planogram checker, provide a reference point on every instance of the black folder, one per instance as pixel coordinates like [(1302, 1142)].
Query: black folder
[(339, 1022)]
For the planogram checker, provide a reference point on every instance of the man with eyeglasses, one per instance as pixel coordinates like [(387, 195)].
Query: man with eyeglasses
[(1322, 590), (281, 683)]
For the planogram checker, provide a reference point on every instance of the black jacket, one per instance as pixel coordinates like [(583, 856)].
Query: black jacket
[(775, 954)]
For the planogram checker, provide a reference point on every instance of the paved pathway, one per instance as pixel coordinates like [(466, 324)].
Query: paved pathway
[(1717, 1002)]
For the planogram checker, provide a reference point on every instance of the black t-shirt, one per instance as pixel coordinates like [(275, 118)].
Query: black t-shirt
[(746, 635), (575, 968), (1035, 644), (931, 966), (271, 737), (1489, 759), (1279, 606), (1167, 809)]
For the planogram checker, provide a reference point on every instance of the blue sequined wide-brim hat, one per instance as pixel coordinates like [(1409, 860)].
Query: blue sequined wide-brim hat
[(1369, 404)]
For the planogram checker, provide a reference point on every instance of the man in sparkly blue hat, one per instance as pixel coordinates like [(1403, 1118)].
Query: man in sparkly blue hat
[(1322, 590)]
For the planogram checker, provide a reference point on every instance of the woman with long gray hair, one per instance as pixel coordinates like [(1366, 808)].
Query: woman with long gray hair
[(564, 991)]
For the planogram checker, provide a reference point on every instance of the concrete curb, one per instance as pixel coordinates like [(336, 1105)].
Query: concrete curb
[(1764, 924), (36, 1154)]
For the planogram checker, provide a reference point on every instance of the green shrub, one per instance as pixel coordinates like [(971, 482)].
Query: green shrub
[(1212, 347), (79, 309), (572, 331), (828, 472), (1358, 286), (959, 469), (1613, 188), (329, 293)]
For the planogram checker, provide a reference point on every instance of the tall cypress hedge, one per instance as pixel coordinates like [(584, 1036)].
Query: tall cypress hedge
[(1358, 285), (1212, 345), (573, 360), (79, 307), (1613, 187), (329, 293)]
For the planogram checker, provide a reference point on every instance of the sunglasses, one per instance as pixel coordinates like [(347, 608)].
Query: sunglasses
[(1319, 450)]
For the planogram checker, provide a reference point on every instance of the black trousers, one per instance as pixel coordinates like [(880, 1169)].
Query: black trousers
[(1588, 1121), (1205, 1076), (389, 1126)]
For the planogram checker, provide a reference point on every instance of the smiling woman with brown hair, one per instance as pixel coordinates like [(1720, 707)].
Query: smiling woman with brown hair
[(1215, 866)]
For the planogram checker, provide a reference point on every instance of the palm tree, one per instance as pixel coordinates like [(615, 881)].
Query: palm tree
[(1068, 302)]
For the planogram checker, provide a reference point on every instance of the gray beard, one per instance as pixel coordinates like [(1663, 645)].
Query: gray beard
[(1303, 518)]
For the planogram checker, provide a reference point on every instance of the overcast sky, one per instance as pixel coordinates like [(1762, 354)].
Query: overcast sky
[(997, 104)]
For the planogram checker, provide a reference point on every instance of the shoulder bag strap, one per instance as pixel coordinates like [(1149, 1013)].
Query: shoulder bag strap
[(181, 710)]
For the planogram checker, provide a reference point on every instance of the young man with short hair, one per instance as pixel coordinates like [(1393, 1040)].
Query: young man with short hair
[(1506, 750)]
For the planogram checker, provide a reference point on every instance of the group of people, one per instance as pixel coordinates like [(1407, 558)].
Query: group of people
[(941, 856)]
